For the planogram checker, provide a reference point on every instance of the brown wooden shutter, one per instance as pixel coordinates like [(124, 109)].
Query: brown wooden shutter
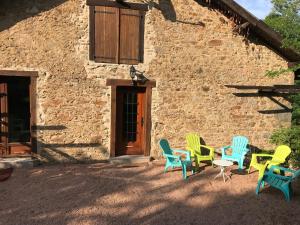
[(130, 36), (106, 34)]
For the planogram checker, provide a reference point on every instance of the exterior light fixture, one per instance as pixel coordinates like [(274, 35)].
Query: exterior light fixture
[(132, 73), (137, 76)]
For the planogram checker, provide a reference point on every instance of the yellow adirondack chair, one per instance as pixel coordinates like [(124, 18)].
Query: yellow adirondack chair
[(280, 154), (194, 146)]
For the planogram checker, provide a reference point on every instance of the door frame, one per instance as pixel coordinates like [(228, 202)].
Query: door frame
[(33, 75), (114, 83)]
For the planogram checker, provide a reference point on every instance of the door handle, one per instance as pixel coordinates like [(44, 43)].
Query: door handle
[(142, 121)]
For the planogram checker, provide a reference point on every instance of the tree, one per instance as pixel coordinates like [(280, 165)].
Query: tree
[(285, 19)]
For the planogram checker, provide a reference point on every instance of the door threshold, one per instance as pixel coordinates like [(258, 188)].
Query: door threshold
[(17, 162), (129, 159), (15, 156)]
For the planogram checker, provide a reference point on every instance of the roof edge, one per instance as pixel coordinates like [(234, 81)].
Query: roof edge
[(260, 28)]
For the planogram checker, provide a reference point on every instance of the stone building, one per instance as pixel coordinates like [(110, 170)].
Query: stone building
[(67, 94)]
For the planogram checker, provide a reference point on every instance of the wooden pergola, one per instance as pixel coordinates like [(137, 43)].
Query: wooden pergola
[(270, 92), (275, 89)]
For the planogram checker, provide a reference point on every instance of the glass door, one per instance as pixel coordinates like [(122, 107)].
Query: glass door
[(130, 120)]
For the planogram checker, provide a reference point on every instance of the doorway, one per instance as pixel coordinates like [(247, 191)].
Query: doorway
[(130, 120), (130, 132), (15, 116)]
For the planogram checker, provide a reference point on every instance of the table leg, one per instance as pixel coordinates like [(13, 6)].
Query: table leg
[(222, 173)]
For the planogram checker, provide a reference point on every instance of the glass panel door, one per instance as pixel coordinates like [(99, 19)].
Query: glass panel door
[(130, 119)]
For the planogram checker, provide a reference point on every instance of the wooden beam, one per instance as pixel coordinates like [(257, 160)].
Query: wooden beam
[(19, 73), (123, 82), (274, 87), (127, 5), (113, 118)]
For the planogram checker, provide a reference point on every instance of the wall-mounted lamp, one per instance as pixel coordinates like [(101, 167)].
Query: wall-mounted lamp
[(137, 76)]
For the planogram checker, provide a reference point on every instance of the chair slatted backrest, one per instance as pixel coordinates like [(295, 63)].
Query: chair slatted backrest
[(239, 145), (165, 147), (274, 180), (193, 143), (281, 153)]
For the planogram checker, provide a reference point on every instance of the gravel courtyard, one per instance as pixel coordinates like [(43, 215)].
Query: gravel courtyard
[(143, 194)]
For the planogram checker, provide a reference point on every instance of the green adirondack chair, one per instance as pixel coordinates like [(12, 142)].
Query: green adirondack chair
[(194, 146), (283, 183), (280, 155), (173, 160)]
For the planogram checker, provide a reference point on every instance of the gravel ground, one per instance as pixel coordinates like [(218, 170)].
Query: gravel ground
[(105, 194)]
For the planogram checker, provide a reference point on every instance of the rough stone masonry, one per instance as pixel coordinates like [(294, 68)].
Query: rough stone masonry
[(191, 52)]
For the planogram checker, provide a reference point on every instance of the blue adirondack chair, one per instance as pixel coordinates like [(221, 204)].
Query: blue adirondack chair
[(283, 183), (173, 160), (239, 150)]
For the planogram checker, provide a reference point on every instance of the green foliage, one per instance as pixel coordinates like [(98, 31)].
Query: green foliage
[(285, 19), (290, 137), (276, 73)]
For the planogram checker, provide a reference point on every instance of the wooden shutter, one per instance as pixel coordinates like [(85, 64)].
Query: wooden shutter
[(130, 36), (106, 34)]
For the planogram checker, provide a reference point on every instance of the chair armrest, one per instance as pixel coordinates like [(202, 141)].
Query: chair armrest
[(189, 149), (187, 153), (282, 169), (208, 147), (211, 149), (171, 156), (180, 151), (224, 149), (262, 155)]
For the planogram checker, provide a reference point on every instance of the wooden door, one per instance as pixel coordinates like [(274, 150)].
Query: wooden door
[(15, 114), (3, 119), (130, 120)]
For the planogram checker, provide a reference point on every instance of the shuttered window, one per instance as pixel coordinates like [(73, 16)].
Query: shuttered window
[(117, 35)]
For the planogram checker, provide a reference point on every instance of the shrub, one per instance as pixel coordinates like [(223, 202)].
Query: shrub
[(290, 137)]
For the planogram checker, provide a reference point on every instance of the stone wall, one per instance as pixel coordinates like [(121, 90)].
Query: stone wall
[(190, 51)]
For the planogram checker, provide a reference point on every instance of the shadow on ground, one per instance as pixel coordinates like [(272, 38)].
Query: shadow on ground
[(103, 194)]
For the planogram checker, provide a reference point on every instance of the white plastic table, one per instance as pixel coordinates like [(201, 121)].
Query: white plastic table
[(222, 164)]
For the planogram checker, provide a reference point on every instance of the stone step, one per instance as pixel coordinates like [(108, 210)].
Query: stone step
[(129, 159), (17, 162)]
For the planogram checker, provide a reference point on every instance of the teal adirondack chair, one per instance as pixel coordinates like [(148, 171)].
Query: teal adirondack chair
[(283, 183), (239, 150), (173, 160)]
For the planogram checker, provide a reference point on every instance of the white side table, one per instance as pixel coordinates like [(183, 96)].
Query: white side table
[(222, 164)]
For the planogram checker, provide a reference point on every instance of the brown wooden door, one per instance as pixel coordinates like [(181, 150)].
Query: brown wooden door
[(15, 114), (3, 120), (130, 120)]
